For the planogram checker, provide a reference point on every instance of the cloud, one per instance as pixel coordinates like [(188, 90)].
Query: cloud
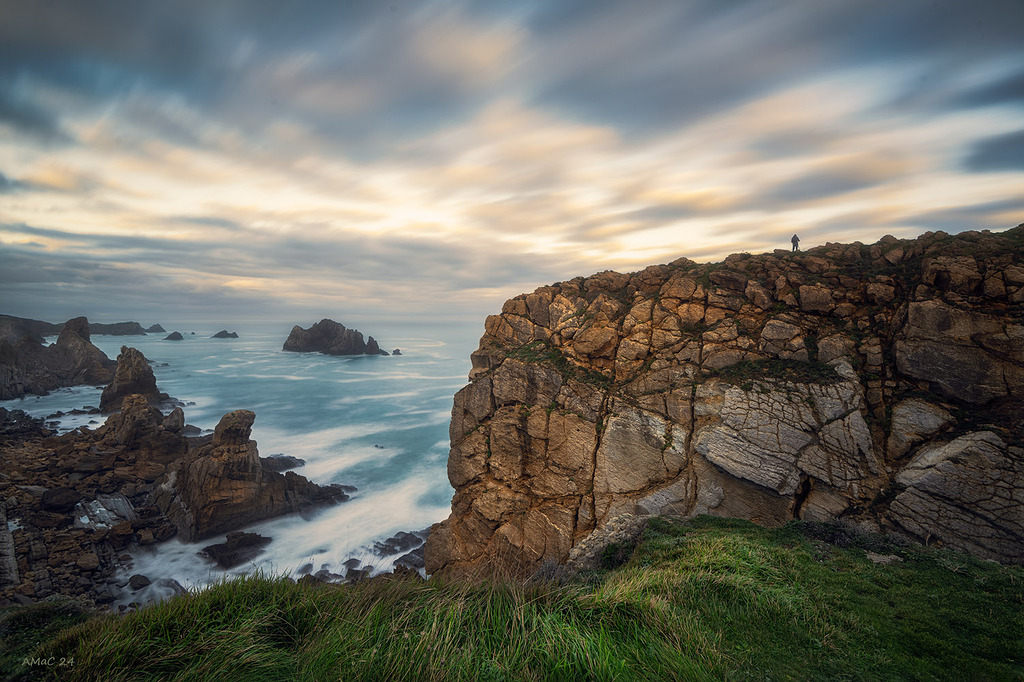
[(28, 119), (1006, 90), (834, 178), (423, 156), (998, 153)]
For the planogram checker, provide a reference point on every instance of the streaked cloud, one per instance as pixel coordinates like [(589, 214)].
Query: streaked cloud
[(432, 158)]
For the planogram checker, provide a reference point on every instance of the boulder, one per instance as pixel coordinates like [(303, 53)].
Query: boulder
[(138, 581), (237, 548), (225, 334), (174, 336)]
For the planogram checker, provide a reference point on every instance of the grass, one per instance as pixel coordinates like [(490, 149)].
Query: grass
[(707, 599)]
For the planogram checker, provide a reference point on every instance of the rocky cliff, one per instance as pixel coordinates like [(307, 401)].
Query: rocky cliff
[(26, 366), (883, 384)]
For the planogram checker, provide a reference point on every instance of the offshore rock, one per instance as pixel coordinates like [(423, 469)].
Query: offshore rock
[(882, 384), (118, 329), (330, 338), (225, 334)]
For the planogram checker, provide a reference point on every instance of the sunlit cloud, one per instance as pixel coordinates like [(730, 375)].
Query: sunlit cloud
[(432, 159)]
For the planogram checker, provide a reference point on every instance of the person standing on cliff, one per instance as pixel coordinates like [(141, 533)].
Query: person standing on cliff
[(796, 243)]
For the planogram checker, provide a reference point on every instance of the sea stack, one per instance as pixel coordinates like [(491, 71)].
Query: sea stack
[(133, 375), (330, 338)]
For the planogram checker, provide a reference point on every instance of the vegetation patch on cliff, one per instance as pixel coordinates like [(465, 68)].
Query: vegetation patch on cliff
[(745, 372), (541, 352), (699, 600)]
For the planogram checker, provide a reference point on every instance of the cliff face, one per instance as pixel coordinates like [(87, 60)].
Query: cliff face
[(882, 383)]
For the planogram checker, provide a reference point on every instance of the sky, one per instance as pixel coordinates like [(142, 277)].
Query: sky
[(425, 160)]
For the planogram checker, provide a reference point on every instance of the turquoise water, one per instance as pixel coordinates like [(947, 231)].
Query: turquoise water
[(378, 423)]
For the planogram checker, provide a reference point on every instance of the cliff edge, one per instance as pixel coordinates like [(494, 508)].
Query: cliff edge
[(882, 384)]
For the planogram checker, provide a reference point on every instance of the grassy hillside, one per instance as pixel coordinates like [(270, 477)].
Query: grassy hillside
[(700, 600)]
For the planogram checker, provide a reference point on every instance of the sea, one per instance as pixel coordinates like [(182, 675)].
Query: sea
[(374, 422)]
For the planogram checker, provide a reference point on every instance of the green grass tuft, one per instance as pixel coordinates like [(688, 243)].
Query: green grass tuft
[(706, 599)]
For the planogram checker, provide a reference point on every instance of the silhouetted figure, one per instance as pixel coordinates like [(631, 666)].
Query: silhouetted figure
[(796, 243)]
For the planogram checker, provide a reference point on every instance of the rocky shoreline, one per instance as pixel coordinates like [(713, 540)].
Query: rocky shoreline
[(74, 506)]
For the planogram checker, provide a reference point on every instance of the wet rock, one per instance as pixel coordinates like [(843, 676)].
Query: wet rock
[(62, 499), (238, 548), (138, 581), (221, 484), (401, 541)]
